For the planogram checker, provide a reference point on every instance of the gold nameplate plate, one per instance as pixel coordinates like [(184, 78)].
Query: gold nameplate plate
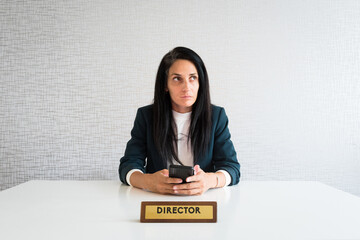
[(178, 212)]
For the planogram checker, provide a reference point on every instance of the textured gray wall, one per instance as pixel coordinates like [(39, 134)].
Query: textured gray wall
[(73, 73)]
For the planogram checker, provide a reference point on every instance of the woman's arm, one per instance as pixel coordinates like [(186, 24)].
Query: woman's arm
[(134, 158), (159, 181), (135, 152), (224, 158), (224, 154)]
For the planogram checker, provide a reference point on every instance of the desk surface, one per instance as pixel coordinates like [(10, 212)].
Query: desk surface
[(110, 210)]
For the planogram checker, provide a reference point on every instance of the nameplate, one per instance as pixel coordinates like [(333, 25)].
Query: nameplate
[(178, 212)]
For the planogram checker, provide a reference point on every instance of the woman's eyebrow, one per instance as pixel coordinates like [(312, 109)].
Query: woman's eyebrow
[(178, 74)]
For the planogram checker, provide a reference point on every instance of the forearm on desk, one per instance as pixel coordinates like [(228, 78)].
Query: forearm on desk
[(227, 178), (128, 175), (138, 179), (222, 179), (217, 179)]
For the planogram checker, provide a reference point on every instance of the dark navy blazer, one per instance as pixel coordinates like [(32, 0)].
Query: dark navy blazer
[(142, 154)]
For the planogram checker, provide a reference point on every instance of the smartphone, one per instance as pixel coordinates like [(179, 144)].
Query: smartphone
[(176, 171)]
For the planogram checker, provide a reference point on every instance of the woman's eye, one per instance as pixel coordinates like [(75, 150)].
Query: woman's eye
[(176, 79), (193, 77)]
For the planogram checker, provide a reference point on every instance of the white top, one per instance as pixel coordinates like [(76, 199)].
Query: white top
[(109, 210), (182, 121)]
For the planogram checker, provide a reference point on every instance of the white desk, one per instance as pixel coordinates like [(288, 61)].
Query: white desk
[(109, 210)]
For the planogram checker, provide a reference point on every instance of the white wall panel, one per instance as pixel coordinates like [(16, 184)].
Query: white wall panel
[(73, 73)]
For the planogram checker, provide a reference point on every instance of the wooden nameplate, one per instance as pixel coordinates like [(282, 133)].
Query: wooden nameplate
[(178, 212)]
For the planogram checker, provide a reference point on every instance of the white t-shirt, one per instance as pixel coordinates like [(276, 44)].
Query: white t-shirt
[(182, 122)]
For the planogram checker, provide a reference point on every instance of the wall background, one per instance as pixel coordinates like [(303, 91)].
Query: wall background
[(73, 73)]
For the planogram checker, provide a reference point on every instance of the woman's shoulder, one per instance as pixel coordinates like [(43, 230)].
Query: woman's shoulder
[(216, 110), (219, 116), (146, 109), (144, 114)]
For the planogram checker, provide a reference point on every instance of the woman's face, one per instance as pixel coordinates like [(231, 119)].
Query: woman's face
[(182, 85)]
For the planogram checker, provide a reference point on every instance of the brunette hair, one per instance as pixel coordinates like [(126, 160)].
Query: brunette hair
[(163, 122)]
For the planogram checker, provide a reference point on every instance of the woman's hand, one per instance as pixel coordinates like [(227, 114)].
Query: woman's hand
[(161, 182), (197, 184), (158, 182)]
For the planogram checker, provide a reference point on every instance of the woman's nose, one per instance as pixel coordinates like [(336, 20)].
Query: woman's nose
[(186, 85)]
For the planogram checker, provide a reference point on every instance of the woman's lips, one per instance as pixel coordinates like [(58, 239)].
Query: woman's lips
[(186, 97)]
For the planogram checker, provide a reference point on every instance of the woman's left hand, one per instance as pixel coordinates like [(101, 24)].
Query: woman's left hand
[(197, 184)]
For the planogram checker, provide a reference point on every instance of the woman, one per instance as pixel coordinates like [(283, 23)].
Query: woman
[(181, 127)]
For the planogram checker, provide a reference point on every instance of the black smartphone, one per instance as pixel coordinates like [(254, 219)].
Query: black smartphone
[(177, 171)]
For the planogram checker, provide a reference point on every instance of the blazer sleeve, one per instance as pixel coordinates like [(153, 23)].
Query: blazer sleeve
[(135, 152), (224, 154)]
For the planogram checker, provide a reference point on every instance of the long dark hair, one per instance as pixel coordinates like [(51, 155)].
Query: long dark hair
[(164, 126)]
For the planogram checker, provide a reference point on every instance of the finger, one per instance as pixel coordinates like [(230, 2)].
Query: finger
[(195, 178), (167, 189), (166, 179), (196, 191), (165, 172), (173, 180), (187, 186)]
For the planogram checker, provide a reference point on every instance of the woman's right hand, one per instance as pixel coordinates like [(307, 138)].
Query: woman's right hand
[(158, 182)]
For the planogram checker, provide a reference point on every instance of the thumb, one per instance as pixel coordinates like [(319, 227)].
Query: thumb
[(197, 169)]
